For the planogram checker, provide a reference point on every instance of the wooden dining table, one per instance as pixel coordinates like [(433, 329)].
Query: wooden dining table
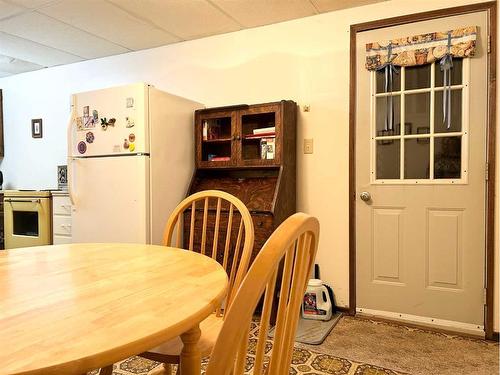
[(69, 309)]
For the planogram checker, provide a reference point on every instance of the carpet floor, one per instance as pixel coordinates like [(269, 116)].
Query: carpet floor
[(359, 346)]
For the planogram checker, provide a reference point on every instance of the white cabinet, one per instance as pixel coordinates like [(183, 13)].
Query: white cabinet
[(61, 218)]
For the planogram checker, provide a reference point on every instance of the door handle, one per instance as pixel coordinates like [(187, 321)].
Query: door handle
[(22, 200), (365, 196)]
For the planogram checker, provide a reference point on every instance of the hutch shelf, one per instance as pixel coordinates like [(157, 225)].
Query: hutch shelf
[(248, 151)]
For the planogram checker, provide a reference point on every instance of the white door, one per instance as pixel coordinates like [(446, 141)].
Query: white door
[(124, 111), (420, 239), (111, 199)]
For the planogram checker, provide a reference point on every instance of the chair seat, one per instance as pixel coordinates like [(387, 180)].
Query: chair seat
[(210, 329)]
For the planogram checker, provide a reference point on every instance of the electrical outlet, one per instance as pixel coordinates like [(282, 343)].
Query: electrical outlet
[(308, 146)]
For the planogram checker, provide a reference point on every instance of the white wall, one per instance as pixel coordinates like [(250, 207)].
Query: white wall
[(305, 60)]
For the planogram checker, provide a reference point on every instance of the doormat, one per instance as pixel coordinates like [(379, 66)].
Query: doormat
[(313, 332)]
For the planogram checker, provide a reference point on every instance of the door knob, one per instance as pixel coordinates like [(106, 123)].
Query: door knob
[(365, 196)]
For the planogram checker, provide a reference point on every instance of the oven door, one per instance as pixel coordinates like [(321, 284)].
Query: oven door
[(27, 222)]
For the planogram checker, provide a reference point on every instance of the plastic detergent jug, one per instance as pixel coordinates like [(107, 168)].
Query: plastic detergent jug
[(317, 304)]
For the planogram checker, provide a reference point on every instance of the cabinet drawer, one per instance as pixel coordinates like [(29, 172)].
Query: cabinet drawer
[(62, 225), (59, 240), (61, 206), (263, 227)]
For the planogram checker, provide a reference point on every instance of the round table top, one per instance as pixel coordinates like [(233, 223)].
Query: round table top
[(76, 307)]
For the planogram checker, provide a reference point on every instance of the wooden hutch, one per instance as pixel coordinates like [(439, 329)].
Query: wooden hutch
[(248, 151)]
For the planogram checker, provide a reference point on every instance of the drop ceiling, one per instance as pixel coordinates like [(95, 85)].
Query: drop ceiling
[(35, 34)]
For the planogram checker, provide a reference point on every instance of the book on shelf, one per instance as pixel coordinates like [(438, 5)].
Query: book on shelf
[(270, 129), (267, 148), (205, 130), (219, 158), (261, 135)]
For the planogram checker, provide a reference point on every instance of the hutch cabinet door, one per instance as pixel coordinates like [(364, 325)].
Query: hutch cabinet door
[(260, 135), (215, 139)]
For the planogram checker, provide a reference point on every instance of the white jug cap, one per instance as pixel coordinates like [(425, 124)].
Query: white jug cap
[(315, 282)]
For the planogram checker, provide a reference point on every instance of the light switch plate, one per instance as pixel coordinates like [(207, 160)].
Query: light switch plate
[(308, 146)]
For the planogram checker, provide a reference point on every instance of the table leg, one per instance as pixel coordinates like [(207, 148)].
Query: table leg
[(108, 370), (190, 355)]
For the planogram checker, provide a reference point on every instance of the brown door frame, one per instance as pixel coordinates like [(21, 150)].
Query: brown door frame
[(491, 8)]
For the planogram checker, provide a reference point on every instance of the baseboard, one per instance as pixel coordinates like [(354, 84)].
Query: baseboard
[(343, 309)]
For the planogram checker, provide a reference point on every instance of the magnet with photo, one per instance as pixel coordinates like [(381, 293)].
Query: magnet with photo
[(79, 124), (82, 147), (89, 137)]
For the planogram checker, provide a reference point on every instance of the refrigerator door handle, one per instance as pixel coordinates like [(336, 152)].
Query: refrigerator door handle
[(71, 123), (71, 191)]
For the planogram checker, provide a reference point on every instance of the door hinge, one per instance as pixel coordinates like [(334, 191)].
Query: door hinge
[(487, 171), (489, 43), (484, 296)]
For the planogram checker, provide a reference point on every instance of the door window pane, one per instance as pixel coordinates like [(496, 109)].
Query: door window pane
[(388, 160), (430, 150), (456, 73), (383, 110), (417, 77), (447, 157), (417, 157), (380, 77), (418, 112), (456, 112)]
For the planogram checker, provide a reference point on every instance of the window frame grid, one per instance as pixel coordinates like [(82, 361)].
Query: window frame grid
[(464, 133)]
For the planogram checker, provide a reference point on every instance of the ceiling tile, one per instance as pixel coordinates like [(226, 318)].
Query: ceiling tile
[(252, 13), (102, 18), (27, 50), (187, 19), (7, 9), (32, 4), (10, 65), (330, 5), (53, 33)]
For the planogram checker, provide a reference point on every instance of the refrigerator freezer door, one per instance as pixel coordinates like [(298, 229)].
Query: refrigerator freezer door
[(111, 199), (110, 121)]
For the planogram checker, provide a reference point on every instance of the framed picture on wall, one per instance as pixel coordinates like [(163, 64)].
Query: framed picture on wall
[(36, 128)]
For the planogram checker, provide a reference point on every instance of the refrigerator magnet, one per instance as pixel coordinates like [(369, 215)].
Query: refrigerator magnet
[(88, 122), (111, 122), (130, 122), (125, 144), (104, 123), (82, 147), (89, 137), (95, 115), (131, 137), (79, 124), (131, 147)]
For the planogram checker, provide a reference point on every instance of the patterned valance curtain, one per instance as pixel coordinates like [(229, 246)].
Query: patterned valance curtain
[(421, 49)]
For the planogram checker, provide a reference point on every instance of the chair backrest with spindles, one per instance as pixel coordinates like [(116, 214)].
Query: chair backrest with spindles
[(230, 240), (295, 241)]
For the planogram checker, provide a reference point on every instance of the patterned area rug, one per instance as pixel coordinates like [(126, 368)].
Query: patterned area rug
[(305, 361)]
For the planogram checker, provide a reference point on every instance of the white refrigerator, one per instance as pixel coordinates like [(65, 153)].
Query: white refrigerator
[(130, 160)]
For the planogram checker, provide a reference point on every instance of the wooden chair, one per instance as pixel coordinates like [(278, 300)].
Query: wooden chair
[(295, 241), (233, 219)]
